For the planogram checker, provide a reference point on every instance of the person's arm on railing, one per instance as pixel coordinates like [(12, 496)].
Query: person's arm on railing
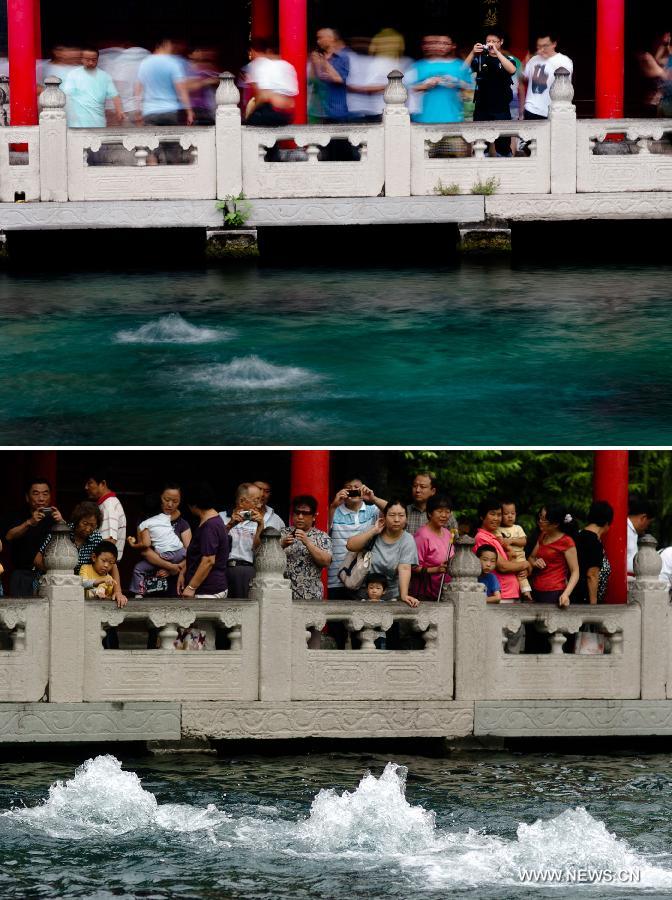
[(118, 110), (573, 563), (119, 595), (404, 574), (592, 583), (359, 541), (204, 568), (137, 91), (183, 93)]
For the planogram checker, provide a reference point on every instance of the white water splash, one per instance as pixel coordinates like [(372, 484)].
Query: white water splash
[(253, 373), (172, 329), (103, 800)]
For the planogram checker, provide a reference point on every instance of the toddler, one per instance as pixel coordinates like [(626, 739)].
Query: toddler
[(96, 576), (488, 557), (514, 539), (156, 532), (376, 585)]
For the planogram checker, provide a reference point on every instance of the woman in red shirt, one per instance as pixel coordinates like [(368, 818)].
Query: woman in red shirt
[(555, 565)]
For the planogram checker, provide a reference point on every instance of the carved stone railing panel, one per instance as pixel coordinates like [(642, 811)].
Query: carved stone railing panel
[(634, 164), (168, 673), (515, 175), (560, 675), (369, 673), (19, 163), (309, 176), (188, 172), (24, 669)]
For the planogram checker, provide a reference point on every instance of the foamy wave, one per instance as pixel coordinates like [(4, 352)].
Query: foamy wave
[(103, 800), (172, 329), (253, 373)]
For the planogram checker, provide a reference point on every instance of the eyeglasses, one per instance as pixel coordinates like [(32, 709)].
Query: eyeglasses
[(303, 512)]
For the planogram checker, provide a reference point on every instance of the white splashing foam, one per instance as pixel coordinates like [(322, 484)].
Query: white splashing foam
[(172, 329), (252, 373), (103, 800)]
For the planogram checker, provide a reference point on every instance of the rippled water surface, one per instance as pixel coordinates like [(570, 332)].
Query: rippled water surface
[(473, 355), (334, 826)]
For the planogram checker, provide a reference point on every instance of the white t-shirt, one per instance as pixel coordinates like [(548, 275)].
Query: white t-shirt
[(666, 571), (633, 541), (161, 533), (540, 75), (114, 523), (371, 71), (276, 75)]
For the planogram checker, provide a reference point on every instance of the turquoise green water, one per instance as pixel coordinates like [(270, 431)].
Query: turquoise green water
[(475, 355), (318, 827)]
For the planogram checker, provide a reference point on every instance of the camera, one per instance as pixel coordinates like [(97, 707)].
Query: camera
[(46, 510), (355, 493), (246, 514)]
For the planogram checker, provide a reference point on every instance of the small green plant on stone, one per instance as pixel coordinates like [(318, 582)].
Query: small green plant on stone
[(487, 187), (236, 210), (446, 190)]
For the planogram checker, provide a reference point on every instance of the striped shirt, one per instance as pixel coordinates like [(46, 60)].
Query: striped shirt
[(114, 521), (346, 524)]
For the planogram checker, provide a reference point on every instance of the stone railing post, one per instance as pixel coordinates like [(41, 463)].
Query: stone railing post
[(468, 599), (228, 138), (66, 619), (397, 124), (652, 596), (274, 593), (562, 116), (4, 100), (53, 142)]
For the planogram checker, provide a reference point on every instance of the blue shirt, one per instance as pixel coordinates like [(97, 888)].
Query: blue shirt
[(335, 101), (157, 74), (87, 90), (442, 103), (491, 583), (346, 524)]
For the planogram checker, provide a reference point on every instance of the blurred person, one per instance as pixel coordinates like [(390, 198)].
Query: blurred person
[(26, 531), (308, 550), (367, 78), (272, 84), (63, 60), (354, 509), (330, 64), (244, 527), (162, 88), (87, 89), (113, 526), (440, 77), (538, 77), (641, 514), (271, 518), (493, 70), (203, 81), (122, 63)]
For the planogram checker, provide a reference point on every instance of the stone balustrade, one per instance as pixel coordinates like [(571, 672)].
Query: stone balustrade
[(393, 159)]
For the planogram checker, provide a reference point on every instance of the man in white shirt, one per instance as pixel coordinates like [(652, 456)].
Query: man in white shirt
[(640, 515), (114, 518), (244, 525), (271, 518), (538, 77)]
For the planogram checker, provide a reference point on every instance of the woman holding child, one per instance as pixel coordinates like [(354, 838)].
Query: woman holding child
[(490, 518), (393, 551), (434, 542), (554, 560)]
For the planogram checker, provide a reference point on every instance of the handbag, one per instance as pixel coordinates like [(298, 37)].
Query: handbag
[(589, 642), (356, 566)]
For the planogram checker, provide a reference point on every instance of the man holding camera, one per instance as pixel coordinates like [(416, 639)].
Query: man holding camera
[(244, 525), (27, 532), (354, 509), (493, 70)]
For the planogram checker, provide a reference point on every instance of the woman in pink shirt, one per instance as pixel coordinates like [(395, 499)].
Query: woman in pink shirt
[(490, 517), (435, 547)]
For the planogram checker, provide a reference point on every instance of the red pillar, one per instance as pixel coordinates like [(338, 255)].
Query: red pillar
[(609, 59), (293, 28), (610, 482), (21, 41), (310, 475), (37, 28), (263, 19), (519, 28)]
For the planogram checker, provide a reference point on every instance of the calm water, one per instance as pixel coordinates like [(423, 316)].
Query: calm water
[(475, 355), (320, 827)]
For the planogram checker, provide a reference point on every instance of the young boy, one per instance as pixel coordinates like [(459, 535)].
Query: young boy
[(96, 576), (513, 539), (376, 585), (488, 557)]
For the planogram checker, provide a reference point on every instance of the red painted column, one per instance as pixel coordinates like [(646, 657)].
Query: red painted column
[(263, 19), (610, 482), (610, 59), (519, 28), (310, 475), (37, 27), (21, 42), (293, 28)]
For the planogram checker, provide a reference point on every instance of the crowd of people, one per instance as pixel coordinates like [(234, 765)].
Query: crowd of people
[(406, 547)]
